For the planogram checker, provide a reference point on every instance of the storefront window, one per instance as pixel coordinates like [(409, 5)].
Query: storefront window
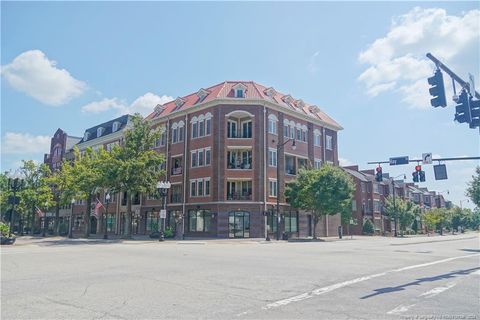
[(152, 222), (199, 220), (111, 219), (291, 221)]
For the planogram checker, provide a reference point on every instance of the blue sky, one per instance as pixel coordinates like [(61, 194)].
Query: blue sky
[(362, 62)]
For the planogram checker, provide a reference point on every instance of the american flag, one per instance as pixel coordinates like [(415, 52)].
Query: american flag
[(98, 205), (39, 212)]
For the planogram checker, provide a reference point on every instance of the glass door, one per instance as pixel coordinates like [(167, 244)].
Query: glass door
[(239, 224)]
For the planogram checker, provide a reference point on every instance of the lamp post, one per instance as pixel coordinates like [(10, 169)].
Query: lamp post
[(70, 229), (462, 201), (107, 201), (280, 147), (45, 219), (394, 206), (162, 187), (15, 184)]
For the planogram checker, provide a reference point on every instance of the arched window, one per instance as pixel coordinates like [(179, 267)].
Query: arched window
[(272, 124)]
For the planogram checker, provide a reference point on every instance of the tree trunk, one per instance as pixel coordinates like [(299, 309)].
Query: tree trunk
[(57, 218), (315, 222), (128, 217), (87, 216), (32, 221)]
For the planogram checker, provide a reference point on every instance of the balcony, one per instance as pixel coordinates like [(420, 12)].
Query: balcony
[(176, 171), (239, 196), (239, 125), (239, 159), (239, 190)]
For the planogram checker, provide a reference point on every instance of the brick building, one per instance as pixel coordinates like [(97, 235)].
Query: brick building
[(60, 144), (221, 159)]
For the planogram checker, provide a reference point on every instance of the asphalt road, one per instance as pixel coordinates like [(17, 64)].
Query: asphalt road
[(363, 278)]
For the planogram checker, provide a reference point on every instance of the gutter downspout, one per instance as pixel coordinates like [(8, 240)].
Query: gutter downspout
[(265, 168), (185, 135), (324, 160)]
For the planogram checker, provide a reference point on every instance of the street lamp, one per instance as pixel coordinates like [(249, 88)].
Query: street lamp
[(462, 201), (162, 187), (394, 206), (280, 147), (107, 201), (70, 231), (15, 183)]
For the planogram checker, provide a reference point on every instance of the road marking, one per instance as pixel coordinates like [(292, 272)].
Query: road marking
[(401, 308), (437, 290), (339, 285)]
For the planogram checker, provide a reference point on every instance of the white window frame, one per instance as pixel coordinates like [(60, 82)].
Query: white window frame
[(272, 163), (193, 188), (206, 194), (317, 163), (272, 188), (328, 142), (193, 157), (209, 150)]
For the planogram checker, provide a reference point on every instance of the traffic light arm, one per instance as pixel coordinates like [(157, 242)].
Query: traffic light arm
[(452, 74), (437, 159)]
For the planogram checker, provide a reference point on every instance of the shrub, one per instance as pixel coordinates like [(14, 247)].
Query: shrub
[(168, 232), (63, 229), (4, 229), (368, 227)]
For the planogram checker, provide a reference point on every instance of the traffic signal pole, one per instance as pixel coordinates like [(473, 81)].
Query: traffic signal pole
[(452, 74), (437, 159)]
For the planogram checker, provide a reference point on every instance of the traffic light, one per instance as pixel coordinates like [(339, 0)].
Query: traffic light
[(437, 91), (379, 175), (422, 176), (415, 176), (475, 113), (462, 109), (418, 173)]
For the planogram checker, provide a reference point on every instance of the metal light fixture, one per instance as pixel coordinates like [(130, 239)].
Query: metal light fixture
[(107, 201), (162, 187)]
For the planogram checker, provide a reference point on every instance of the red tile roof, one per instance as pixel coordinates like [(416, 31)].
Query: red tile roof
[(253, 91)]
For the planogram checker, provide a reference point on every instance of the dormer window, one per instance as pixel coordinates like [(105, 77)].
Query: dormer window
[(158, 109), (270, 92), (179, 102), (314, 109), (116, 126), (239, 90), (202, 94), (86, 136), (300, 104), (288, 100), (100, 131)]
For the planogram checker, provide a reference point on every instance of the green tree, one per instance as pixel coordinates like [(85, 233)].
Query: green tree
[(134, 167), (36, 191), (87, 179), (62, 181), (368, 227), (324, 191), (404, 211), (473, 190), (436, 218)]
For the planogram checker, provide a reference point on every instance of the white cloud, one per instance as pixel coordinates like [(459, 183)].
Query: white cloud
[(105, 105), (33, 73), (397, 62), (146, 103), (143, 104), (24, 143)]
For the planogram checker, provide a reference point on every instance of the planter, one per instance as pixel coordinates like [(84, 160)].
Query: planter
[(6, 240)]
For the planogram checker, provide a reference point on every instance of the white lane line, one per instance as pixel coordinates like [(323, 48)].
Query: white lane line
[(401, 308), (437, 290), (320, 291)]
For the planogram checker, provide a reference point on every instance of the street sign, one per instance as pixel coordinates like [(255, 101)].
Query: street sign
[(163, 214), (471, 82), (440, 171), (398, 160), (427, 158)]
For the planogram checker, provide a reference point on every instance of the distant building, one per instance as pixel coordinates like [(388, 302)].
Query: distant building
[(60, 143)]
